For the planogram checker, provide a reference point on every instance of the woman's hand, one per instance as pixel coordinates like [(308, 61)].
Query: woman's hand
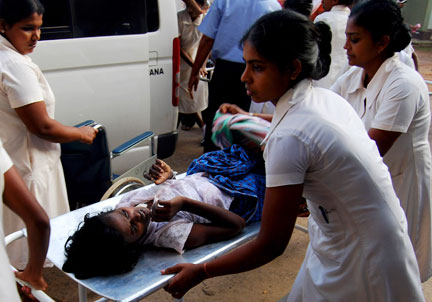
[(38, 282), (159, 172), (188, 276), (164, 210), (231, 108), (88, 134)]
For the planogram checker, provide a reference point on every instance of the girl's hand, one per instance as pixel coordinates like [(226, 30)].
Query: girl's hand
[(88, 134), (231, 108), (38, 282), (164, 210), (159, 172), (187, 276)]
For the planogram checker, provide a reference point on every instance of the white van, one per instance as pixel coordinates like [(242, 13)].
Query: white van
[(115, 62)]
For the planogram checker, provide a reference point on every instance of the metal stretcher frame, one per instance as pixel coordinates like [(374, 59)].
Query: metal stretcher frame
[(145, 278)]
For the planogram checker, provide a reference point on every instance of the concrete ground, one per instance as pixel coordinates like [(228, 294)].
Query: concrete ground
[(266, 284)]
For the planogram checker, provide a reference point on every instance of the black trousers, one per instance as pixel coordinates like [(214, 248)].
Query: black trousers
[(225, 87)]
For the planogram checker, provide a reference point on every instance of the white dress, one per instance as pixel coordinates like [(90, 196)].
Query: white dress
[(7, 285), (397, 100), (174, 233), (359, 248), (37, 160), (189, 41), (337, 19)]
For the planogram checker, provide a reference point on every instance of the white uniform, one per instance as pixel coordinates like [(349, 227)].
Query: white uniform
[(7, 285), (396, 99), (190, 37), (337, 19), (359, 248), (37, 160)]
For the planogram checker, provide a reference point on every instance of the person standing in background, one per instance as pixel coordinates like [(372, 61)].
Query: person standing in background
[(222, 28), (190, 108), (29, 132)]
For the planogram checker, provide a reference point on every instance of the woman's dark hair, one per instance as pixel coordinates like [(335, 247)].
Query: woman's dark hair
[(95, 249), (285, 35), (381, 18), (303, 7), (13, 11)]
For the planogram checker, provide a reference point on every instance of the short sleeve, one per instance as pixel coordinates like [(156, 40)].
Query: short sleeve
[(286, 159), (398, 107), (210, 24), (20, 82), (5, 161)]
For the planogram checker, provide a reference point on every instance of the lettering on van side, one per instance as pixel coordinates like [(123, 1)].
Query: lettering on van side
[(156, 71)]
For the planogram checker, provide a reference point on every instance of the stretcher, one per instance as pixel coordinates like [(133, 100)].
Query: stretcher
[(145, 278)]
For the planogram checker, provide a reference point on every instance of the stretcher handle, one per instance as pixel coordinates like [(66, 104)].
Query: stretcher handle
[(38, 294)]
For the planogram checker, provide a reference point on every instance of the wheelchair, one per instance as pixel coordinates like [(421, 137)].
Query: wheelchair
[(88, 168)]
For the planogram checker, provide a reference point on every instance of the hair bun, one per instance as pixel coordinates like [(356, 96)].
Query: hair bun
[(402, 37), (324, 37)]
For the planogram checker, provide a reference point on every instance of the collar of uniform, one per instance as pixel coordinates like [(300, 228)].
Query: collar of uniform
[(4, 43), (286, 101), (340, 8), (377, 82), (358, 75)]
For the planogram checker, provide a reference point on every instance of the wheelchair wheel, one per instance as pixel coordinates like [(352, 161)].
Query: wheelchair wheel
[(123, 185)]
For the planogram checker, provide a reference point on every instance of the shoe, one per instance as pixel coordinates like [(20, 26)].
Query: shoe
[(186, 128)]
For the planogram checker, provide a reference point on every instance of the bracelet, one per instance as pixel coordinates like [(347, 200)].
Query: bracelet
[(251, 114), (206, 271)]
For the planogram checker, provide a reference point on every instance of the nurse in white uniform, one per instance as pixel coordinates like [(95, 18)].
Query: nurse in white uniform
[(318, 148), (29, 132), (15, 195), (392, 100)]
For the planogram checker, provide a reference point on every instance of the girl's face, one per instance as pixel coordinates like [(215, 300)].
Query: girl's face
[(24, 34), (131, 222), (362, 50), (264, 81)]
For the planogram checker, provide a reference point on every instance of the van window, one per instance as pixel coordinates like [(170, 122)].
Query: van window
[(65, 19)]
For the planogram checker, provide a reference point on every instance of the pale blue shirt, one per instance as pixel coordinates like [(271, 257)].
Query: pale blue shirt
[(228, 20)]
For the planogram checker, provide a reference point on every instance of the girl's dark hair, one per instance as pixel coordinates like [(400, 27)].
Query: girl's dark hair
[(303, 7), (13, 11), (285, 35), (380, 18), (95, 249)]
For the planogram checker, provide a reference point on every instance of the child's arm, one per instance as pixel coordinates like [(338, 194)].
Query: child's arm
[(19, 199), (224, 224), (160, 172)]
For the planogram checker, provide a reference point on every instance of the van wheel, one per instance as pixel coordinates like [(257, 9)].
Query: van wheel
[(123, 185)]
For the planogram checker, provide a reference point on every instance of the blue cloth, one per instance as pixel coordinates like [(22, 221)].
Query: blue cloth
[(228, 20), (232, 171)]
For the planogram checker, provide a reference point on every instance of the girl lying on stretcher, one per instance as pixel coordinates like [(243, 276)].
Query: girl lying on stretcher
[(221, 192)]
